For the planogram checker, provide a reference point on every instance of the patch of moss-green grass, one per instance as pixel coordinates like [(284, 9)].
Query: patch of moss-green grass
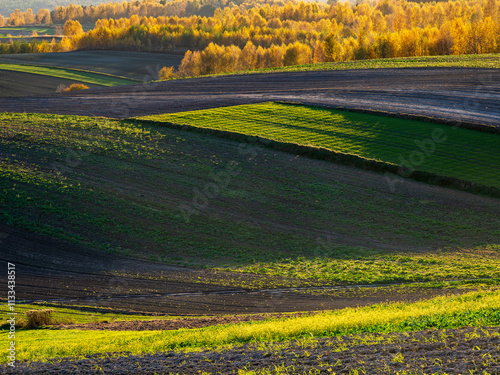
[(415, 145)]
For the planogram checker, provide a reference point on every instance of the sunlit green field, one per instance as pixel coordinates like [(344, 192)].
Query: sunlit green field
[(443, 150), (472, 309), (77, 75), (382, 268)]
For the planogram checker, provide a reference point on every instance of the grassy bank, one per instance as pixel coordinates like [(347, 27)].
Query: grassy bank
[(414, 145)]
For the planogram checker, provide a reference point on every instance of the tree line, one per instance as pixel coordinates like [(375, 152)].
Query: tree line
[(9, 6), (272, 35), (142, 8)]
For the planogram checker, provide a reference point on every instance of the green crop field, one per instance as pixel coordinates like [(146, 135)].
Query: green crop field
[(443, 150), (116, 185), (472, 309), (144, 189), (81, 76)]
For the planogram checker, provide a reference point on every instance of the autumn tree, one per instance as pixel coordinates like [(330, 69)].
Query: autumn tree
[(274, 56), (72, 28), (59, 14), (166, 73), (297, 54), (43, 17), (247, 57), (332, 49), (75, 12), (491, 9), (29, 17), (16, 18)]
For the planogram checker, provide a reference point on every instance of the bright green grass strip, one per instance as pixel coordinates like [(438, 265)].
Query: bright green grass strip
[(443, 150), (76, 75), (477, 308)]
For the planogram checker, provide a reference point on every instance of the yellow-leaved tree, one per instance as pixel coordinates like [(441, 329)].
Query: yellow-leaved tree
[(72, 28), (166, 73)]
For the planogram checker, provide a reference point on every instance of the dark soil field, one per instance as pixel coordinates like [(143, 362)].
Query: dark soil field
[(140, 66), (454, 352), (23, 84), (453, 94)]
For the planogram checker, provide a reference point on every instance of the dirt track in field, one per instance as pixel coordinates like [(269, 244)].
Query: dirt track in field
[(458, 94), (458, 351)]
